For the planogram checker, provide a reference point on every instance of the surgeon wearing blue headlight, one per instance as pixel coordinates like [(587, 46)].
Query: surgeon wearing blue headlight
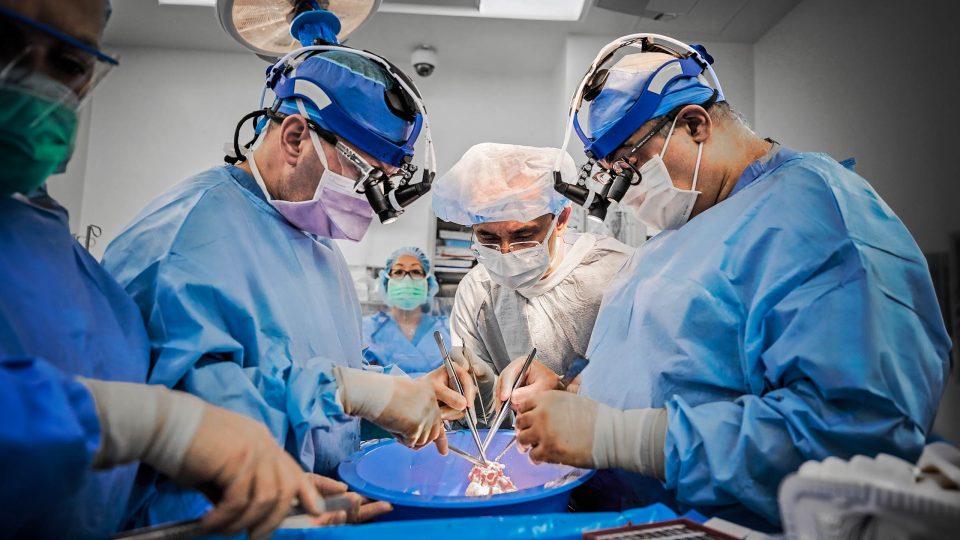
[(247, 299), (403, 333), (783, 314)]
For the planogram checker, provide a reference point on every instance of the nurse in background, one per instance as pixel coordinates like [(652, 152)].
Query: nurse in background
[(402, 334)]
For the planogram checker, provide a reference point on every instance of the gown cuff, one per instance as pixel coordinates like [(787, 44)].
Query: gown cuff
[(632, 440), (148, 423)]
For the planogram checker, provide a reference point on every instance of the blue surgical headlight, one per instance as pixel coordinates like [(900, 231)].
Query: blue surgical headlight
[(623, 100)]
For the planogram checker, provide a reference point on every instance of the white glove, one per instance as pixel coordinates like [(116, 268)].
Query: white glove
[(231, 458), (632, 440), (557, 426), (401, 405), (148, 423)]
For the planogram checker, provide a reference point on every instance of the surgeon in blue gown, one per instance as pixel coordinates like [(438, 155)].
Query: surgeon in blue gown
[(403, 334), (248, 301), (72, 343), (783, 314)]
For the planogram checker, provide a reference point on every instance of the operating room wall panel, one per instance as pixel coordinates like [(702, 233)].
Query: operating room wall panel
[(165, 115), (865, 79)]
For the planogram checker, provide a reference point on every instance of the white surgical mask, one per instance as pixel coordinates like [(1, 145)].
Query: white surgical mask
[(656, 201), (520, 268)]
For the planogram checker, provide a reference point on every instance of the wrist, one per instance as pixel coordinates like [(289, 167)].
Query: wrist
[(149, 423), (632, 440), (361, 393)]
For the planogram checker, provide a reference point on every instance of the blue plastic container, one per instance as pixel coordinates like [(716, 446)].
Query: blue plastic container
[(425, 485)]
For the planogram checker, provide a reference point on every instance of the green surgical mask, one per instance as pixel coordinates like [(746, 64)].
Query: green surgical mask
[(37, 132), (406, 293)]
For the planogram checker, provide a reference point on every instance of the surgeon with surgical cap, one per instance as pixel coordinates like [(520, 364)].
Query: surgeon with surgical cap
[(402, 334), (537, 284), (247, 299), (783, 314)]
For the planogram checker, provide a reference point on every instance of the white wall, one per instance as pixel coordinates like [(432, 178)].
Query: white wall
[(164, 115), (875, 80), (158, 118), (867, 78)]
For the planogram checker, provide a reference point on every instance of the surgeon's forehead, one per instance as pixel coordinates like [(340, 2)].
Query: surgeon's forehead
[(82, 19), (407, 260), (508, 227)]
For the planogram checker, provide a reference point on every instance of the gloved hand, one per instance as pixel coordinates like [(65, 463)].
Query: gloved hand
[(539, 379), (361, 511), (234, 460), (484, 375), (403, 406), (452, 405), (562, 427)]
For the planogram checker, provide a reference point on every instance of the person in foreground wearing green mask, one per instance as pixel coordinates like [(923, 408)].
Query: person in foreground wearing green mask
[(77, 420), (403, 334)]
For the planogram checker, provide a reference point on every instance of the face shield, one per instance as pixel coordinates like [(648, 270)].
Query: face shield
[(45, 75), (42, 61)]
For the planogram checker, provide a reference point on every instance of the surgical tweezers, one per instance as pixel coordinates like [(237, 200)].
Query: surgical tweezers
[(452, 375), (506, 404)]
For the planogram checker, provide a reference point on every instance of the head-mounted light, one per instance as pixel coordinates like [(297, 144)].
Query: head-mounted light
[(594, 193)]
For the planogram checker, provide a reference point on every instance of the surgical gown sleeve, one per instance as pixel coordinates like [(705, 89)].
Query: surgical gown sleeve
[(464, 329), (48, 437), (837, 326), (195, 330)]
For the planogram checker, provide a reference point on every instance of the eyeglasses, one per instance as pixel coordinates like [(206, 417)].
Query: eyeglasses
[(623, 162), (511, 247), (400, 273), (30, 46)]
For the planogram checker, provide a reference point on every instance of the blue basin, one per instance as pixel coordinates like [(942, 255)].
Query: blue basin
[(425, 485)]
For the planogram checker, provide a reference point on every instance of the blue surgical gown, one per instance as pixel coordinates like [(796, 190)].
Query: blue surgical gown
[(61, 315), (387, 344), (793, 321), (244, 311)]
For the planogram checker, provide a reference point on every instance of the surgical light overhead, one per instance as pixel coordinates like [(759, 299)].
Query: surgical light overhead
[(263, 26), (538, 10)]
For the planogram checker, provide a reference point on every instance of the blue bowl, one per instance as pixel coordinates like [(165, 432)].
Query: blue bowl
[(425, 485)]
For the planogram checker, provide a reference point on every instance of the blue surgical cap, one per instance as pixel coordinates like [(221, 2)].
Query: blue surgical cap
[(357, 85), (432, 286), (625, 83)]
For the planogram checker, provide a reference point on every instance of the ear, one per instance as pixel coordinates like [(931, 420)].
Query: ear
[(696, 120), (563, 220), (293, 129)]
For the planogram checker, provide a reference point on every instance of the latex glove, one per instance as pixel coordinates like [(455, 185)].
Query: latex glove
[(234, 460), (452, 404), (562, 427), (361, 511), (539, 379), (485, 377), (403, 406)]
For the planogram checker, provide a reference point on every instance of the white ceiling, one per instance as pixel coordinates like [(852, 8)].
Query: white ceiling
[(483, 44)]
